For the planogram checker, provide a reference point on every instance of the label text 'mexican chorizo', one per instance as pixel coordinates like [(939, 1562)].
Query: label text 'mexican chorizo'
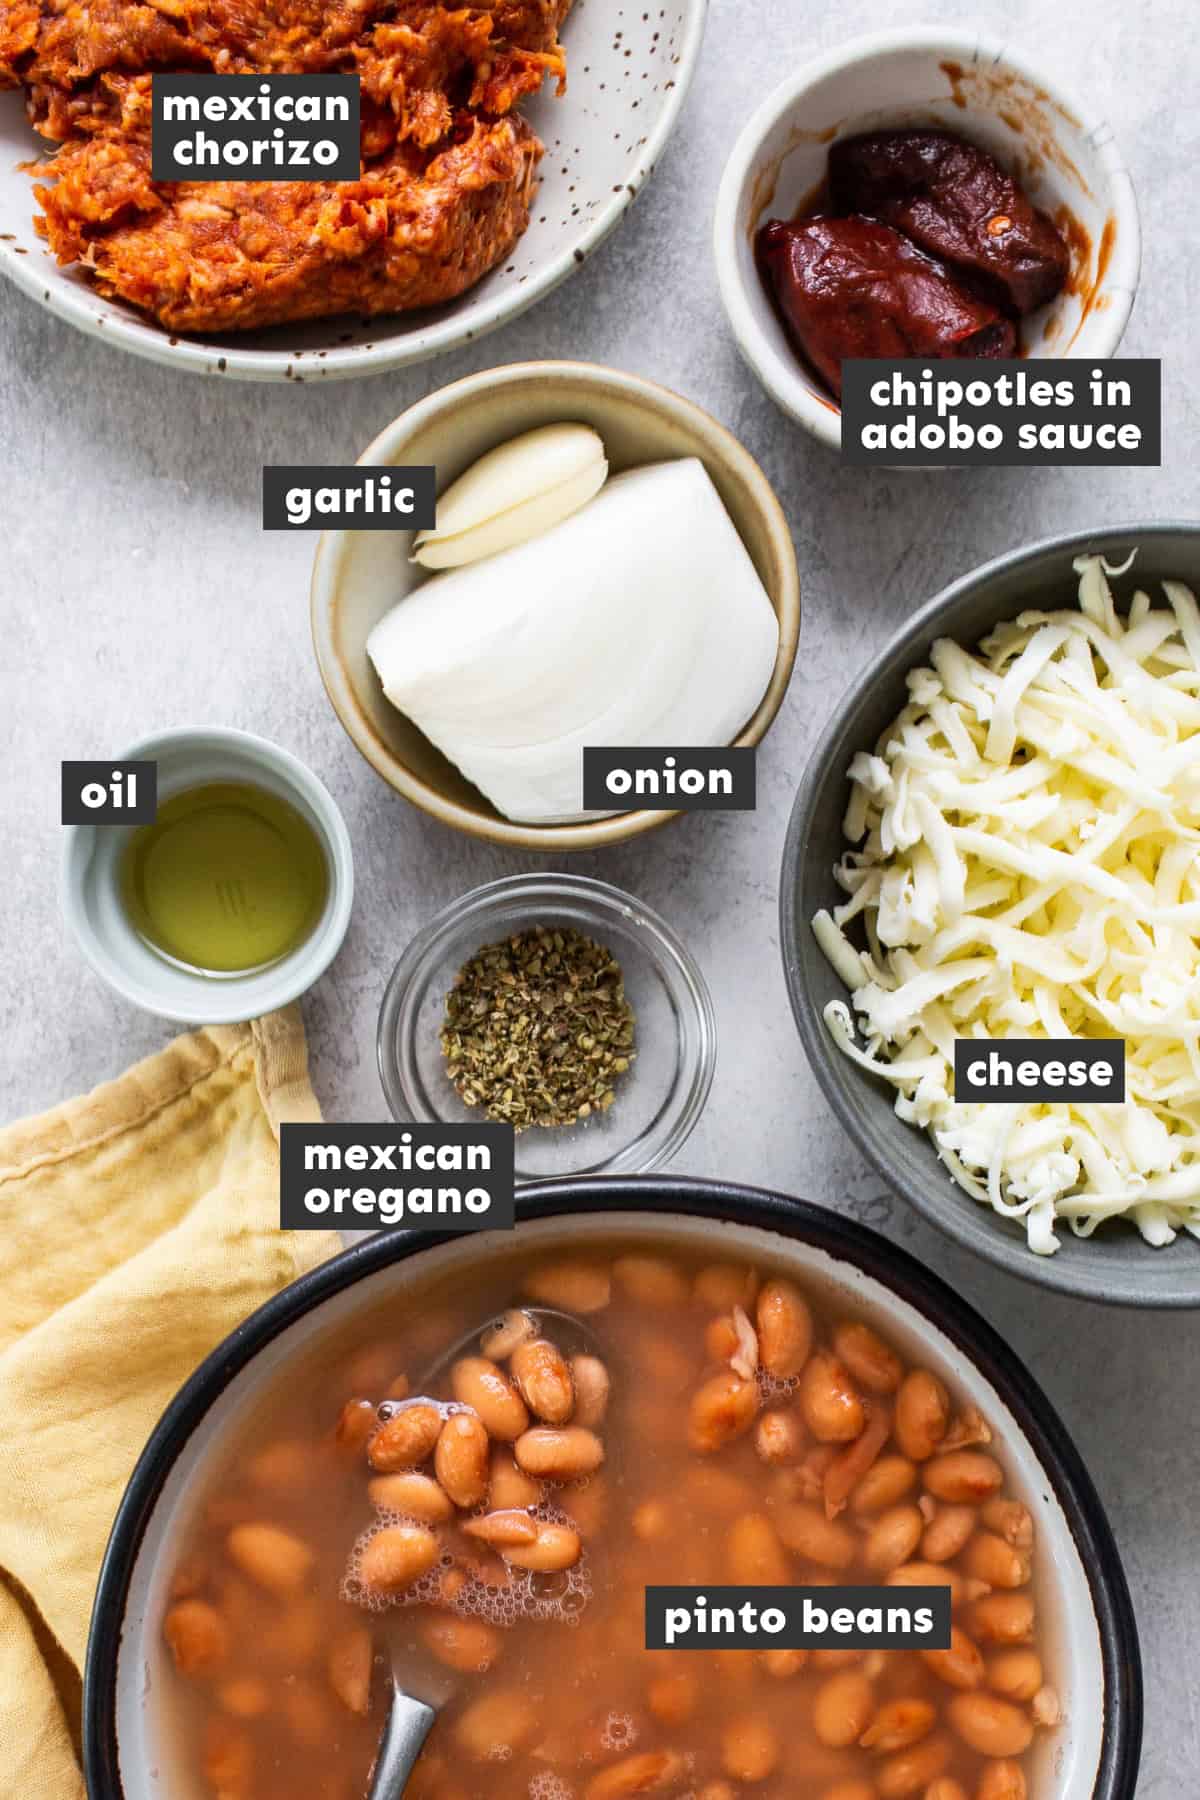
[(254, 128)]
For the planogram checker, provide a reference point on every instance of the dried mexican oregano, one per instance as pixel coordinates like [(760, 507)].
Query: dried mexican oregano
[(538, 1029)]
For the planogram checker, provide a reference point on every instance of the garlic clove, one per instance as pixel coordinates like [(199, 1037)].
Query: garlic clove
[(514, 493)]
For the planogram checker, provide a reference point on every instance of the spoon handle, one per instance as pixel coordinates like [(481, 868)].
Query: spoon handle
[(403, 1736)]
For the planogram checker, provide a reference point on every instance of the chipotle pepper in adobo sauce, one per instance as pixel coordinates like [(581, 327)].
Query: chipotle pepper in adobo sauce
[(854, 287), (956, 203)]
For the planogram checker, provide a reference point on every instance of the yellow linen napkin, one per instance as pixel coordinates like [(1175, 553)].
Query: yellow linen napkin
[(138, 1226)]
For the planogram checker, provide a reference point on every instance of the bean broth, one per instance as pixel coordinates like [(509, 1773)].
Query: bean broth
[(501, 1524)]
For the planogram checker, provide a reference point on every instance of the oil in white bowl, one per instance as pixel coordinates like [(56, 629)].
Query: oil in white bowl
[(227, 879)]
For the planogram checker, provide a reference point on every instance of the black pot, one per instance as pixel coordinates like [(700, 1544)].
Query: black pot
[(964, 1343)]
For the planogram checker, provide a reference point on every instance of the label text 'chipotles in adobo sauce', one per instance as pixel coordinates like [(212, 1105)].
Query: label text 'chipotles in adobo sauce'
[(1049, 411), (491, 1468)]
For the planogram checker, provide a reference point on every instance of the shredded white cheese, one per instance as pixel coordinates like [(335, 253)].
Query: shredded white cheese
[(1028, 865)]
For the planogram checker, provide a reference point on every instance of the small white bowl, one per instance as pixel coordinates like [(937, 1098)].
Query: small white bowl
[(1061, 151), (91, 886), (603, 138)]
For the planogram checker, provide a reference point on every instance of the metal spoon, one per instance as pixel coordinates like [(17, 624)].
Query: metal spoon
[(420, 1688)]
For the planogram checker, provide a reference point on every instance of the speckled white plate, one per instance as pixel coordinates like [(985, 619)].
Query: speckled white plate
[(628, 72)]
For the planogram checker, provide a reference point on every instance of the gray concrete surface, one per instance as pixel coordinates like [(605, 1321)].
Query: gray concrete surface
[(140, 592)]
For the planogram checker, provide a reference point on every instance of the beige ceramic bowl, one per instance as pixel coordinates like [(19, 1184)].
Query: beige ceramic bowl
[(358, 575)]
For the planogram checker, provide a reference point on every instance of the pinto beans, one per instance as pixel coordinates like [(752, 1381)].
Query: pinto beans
[(1003, 1618), (893, 1539), (555, 1547), (509, 1487), (963, 1476), (1015, 1674), (722, 1286), (228, 1759), (673, 1698), (753, 1440), (783, 1664), (505, 1334), (830, 1404), (573, 1287), (909, 1772), (417, 1496), (282, 1466), (873, 1365), (273, 1558), (461, 1459), (468, 1645), (397, 1556), (651, 1281), (804, 1528), (244, 1698), (898, 1725), (919, 1574), (989, 1559), (723, 1409), (405, 1439), (349, 1667), (721, 1339), (1009, 1520), (544, 1381), (646, 1773), (779, 1438), (750, 1748), (198, 1638), (559, 1455), (1002, 1780), (504, 1530), (785, 1329), (989, 1725), (496, 1725), (961, 1666), (922, 1414), (755, 1555), (947, 1532), (887, 1481), (357, 1422), (842, 1708), (589, 1377), (486, 1389)]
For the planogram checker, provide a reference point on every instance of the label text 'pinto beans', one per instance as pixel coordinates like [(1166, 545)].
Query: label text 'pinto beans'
[(798, 1618)]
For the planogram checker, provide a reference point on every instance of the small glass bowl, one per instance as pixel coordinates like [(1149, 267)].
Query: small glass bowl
[(657, 1102)]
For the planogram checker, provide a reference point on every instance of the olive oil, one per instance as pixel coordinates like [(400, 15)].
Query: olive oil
[(229, 877)]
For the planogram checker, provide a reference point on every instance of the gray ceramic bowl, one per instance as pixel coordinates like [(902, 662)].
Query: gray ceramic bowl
[(1115, 1264)]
